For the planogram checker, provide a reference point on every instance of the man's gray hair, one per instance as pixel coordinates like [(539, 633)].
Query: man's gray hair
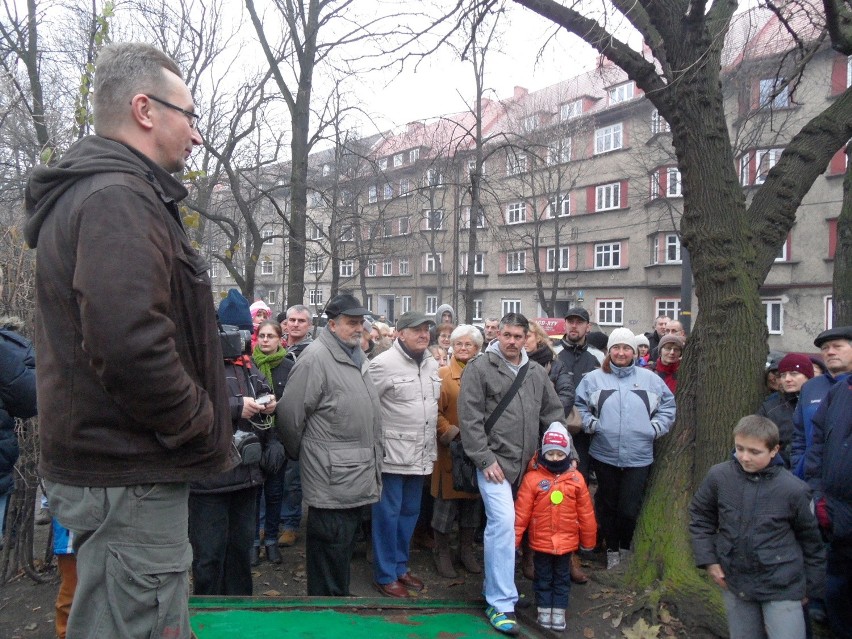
[(300, 308), (122, 70), (466, 330)]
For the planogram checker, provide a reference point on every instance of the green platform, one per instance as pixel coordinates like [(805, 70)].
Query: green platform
[(343, 618)]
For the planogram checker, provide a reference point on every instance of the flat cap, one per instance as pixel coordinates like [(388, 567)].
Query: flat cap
[(344, 305), (840, 332), (412, 319)]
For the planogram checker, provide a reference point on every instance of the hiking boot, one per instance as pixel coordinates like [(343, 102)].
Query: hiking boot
[(577, 574), (443, 556)]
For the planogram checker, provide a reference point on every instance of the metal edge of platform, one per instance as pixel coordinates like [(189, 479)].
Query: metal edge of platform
[(248, 603)]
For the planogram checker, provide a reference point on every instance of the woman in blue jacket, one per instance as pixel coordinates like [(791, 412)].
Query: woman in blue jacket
[(625, 408)]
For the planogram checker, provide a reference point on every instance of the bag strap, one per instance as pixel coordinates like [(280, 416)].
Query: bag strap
[(508, 397)]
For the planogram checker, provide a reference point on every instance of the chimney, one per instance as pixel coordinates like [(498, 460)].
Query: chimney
[(520, 92)]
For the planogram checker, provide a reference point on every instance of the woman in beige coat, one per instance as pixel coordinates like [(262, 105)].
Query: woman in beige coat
[(466, 342)]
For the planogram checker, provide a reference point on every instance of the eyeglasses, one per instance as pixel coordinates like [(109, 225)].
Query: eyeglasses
[(192, 117)]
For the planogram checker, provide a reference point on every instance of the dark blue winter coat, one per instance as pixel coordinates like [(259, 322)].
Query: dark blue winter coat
[(17, 399), (813, 392)]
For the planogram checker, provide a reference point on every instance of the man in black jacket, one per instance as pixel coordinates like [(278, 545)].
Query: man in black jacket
[(575, 356)]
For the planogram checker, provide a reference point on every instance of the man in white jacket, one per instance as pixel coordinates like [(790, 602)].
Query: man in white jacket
[(406, 378)]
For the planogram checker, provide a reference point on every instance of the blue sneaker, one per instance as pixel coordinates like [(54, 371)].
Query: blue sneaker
[(504, 622)]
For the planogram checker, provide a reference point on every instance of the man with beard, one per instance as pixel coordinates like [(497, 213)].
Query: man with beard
[(575, 356)]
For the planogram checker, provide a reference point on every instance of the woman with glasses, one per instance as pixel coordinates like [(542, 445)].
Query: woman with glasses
[(466, 342), (270, 359)]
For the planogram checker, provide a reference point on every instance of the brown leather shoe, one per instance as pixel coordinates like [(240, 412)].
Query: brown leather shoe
[(411, 582), (577, 574), (393, 589)]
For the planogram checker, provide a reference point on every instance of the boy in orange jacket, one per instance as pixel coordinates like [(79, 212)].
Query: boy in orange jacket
[(554, 502)]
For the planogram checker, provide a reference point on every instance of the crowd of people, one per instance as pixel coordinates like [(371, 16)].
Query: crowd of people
[(179, 441)]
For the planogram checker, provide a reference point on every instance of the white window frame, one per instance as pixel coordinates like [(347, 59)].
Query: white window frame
[(529, 123), (564, 259), (607, 255), (267, 267), (326, 170), (316, 264), (433, 178), (516, 163), (571, 109), (559, 152), (771, 156), (405, 225), (671, 254), (516, 212), (398, 160), (668, 306), (404, 268), (315, 296), (767, 87), (405, 303), (828, 304), (609, 138), (774, 309), (510, 306), (431, 304), (413, 155), (622, 92), (372, 268), (783, 255), (316, 231), (387, 192), (659, 124), (383, 164), (404, 187), (214, 271), (387, 267), (431, 263), (610, 312), (271, 297), (431, 216), (516, 261), (478, 263), (387, 228), (608, 197), (372, 194), (347, 268), (267, 234), (347, 234), (559, 205), (654, 186), (478, 305), (745, 169), (674, 185)]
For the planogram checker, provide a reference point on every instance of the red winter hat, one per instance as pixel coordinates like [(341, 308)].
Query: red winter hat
[(798, 363)]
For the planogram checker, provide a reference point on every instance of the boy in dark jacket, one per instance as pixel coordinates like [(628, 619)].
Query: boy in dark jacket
[(754, 532)]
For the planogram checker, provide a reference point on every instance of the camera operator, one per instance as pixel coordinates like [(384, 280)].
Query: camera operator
[(222, 508)]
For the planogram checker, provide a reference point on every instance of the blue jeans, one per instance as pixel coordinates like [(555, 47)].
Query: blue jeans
[(499, 540), (394, 518), (269, 501), (4, 502), (764, 619), (552, 583), (291, 506)]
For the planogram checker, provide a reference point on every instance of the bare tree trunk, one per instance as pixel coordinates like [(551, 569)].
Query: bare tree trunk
[(842, 288)]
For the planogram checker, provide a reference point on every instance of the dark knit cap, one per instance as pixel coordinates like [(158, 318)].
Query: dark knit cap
[(677, 340), (234, 311), (796, 362)]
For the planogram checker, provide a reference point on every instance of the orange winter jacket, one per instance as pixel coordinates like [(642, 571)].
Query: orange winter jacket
[(557, 509)]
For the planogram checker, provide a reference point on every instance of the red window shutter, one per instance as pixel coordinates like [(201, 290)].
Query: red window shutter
[(623, 192), (832, 238), (838, 74), (590, 199), (502, 262), (663, 177), (625, 135)]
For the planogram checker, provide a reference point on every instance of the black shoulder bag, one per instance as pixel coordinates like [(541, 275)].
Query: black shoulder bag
[(464, 470)]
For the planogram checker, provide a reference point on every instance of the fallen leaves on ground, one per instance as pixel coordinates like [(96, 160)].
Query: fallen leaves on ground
[(641, 630)]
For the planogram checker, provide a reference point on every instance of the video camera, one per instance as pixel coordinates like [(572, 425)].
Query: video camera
[(234, 341)]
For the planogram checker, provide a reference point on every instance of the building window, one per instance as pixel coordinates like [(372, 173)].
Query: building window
[(608, 196), (774, 316), (266, 267), (347, 234), (608, 138), (434, 219), (516, 261), (673, 183), (622, 92), (433, 261), (372, 195), (371, 268), (326, 170), (271, 297), (477, 309), (608, 255), (387, 192), (672, 255), (387, 228), (404, 225), (433, 178), (529, 123), (267, 235), (516, 212), (383, 164), (562, 263), (315, 296), (768, 87), (413, 155), (668, 307), (610, 312), (658, 123), (559, 205), (655, 185), (783, 256), (404, 187), (387, 266), (214, 271), (511, 306), (316, 231), (478, 264), (403, 266), (516, 163), (829, 309), (398, 159), (571, 109), (559, 152), (480, 218), (745, 169), (347, 268), (316, 264), (405, 301), (431, 304), (765, 159)]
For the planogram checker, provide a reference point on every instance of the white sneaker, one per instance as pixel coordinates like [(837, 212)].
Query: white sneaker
[(544, 617), (613, 558), (558, 619)]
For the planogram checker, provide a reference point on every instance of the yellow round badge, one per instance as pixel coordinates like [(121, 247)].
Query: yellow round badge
[(556, 497)]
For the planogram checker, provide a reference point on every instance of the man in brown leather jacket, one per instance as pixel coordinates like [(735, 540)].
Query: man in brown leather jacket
[(132, 393)]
